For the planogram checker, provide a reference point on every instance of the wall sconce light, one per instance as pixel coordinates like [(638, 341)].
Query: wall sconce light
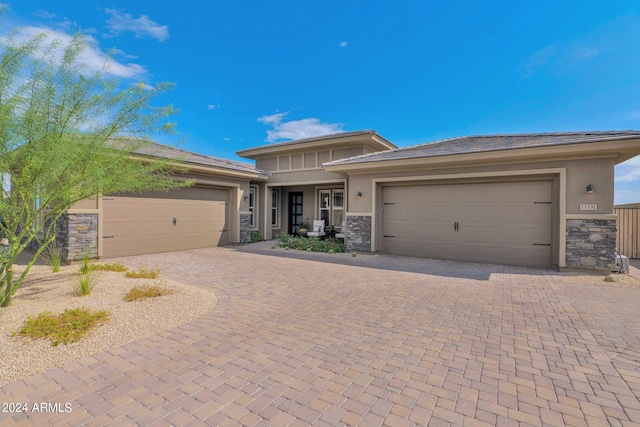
[(245, 198), (359, 194), (590, 188)]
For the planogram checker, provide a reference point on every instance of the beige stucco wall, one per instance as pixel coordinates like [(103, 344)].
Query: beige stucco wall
[(304, 177), (296, 160)]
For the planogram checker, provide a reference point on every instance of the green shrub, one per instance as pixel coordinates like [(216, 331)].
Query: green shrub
[(84, 267), (310, 244), (52, 255), (143, 273), (256, 237), (67, 327), (85, 283), (116, 266)]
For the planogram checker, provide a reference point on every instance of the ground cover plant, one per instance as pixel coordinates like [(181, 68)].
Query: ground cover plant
[(143, 272), (110, 266), (67, 327), (147, 291), (310, 244)]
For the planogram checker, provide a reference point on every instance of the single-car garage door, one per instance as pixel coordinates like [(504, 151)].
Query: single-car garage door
[(504, 223), (188, 218)]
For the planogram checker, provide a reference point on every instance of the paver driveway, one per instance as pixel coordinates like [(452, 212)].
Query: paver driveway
[(295, 342)]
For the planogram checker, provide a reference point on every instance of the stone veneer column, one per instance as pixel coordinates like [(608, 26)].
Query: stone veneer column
[(245, 228), (358, 235), (75, 234), (591, 243), (82, 235)]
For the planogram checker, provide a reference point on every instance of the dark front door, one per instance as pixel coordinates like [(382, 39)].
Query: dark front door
[(295, 212)]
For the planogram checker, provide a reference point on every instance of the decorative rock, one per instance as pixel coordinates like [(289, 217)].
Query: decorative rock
[(612, 278)]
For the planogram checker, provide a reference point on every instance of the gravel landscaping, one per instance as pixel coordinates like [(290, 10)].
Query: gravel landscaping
[(129, 321)]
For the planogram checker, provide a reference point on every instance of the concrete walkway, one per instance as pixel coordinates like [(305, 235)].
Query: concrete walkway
[(395, 342)]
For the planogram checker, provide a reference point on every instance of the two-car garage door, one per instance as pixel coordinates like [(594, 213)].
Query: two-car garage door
[(504, 223), (187, 218)]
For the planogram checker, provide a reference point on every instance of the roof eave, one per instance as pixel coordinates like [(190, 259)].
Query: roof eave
[(370, 139), (620, 150)]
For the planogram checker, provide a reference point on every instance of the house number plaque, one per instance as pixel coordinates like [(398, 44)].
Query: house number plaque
[(589, 207)]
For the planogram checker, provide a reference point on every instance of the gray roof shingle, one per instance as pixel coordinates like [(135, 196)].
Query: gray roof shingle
[(487, 143), (155, 149)]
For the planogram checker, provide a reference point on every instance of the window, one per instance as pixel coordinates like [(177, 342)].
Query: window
[(325, 206), (275, 210), (252, 206), (338, 208), (331, 207)]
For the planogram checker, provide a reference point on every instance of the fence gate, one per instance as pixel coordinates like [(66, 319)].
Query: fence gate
[(628, 230)]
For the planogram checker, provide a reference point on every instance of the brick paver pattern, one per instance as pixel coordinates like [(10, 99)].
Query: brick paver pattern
[(297, 342)]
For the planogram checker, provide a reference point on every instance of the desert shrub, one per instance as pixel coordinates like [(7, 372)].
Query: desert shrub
[(143, 273), (67, 327), (52, 255), (146, 291), (256, 237), (85, 265), (85, 283)]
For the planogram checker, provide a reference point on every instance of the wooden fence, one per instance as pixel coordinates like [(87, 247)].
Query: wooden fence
[(628, 231)]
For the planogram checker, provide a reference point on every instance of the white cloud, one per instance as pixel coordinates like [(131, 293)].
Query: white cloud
[(44, 14), (142, 27), (212, 107), (628, 171), (623, 197), (94, 59), (273, 119), (343, 44), (297, 129)]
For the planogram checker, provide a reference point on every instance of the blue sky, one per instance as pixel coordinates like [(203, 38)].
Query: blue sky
[(251, 72)]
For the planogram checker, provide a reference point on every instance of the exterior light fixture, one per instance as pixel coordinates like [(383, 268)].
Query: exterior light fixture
[(245, 198), (590, 188), (359, 194)]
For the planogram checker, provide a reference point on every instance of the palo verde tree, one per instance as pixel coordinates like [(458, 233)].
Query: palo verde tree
[(66, 134)]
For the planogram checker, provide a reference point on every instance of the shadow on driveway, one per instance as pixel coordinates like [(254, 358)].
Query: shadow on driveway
[(438, 267)]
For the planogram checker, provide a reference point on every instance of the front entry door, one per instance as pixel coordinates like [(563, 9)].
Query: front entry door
[(295, 212)]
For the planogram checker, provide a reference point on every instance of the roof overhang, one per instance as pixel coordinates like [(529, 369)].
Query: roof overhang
[(349, 139), (619, 150), (210, 170), (258, 175)]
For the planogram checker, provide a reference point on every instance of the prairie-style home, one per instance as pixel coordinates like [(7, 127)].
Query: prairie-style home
[(541, 200)]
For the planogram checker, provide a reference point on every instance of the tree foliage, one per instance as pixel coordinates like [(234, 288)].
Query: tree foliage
[(67, 134)]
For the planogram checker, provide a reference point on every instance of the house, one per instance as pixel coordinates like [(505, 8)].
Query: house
[(541, 200)]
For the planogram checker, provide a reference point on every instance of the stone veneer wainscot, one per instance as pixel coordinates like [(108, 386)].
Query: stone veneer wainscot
[(591, 243), (358, 235), (245, 228)]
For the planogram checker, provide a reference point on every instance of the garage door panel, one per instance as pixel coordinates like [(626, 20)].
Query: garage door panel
[(137, 225), (497, 222), (406, 247)]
